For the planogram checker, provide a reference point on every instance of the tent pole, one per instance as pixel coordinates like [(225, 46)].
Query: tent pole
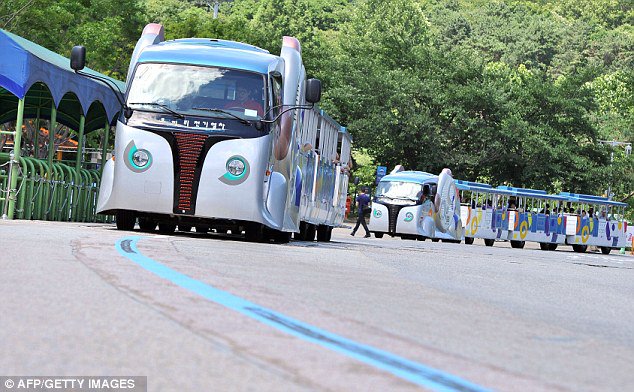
[(12, 195), (78, 160), (36, 136), (51, 152), (51, 140)]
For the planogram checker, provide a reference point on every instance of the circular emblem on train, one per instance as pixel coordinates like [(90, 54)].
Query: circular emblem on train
[(237, 171), (377, 214), (137, 160), (523, 229), (409, 217), (585, 234)]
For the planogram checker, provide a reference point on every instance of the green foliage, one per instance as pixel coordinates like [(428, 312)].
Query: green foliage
[(506, 91), (364, 169)]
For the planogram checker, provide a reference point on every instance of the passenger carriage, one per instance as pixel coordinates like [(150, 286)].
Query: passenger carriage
[(481, 210), (538, 217), (595, 221)]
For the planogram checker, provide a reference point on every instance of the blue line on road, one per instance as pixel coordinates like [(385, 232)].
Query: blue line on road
[(411, 371)]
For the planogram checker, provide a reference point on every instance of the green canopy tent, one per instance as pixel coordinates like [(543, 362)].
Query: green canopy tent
[(36, 83)]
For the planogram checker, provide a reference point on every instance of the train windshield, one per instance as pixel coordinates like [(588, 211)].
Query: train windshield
[(399, 190), (188, 90)]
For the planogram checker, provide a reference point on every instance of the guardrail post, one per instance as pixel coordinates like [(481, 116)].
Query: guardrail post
[(7, 195), (17, 139)]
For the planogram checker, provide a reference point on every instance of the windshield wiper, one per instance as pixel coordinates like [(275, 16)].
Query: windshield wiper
[(216, 110), (165, 107)]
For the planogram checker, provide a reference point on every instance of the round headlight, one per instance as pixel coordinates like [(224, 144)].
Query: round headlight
[(141, 158), (235, 167)]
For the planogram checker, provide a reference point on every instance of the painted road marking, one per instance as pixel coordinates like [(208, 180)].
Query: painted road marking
[(411, 371)]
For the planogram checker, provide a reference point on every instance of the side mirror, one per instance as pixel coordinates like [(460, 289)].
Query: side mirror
[(78, 58), (313, 90)]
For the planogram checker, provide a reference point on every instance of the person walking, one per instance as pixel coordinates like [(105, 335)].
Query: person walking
[(363, 202)]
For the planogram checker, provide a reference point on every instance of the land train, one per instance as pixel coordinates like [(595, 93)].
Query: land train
[(417, 205), (221, 135), (519, 215)]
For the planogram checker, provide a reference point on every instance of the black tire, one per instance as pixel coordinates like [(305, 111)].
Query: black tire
[(185, 228), (147, 225), (125, 220), (489, 241), (322, 233), (517, 244), (469, 240), (606, 250), (580, 248), (254, 232), (281, 237), (378, 235), (301, 236), (329, 233), (552, 246), (166, 227), (544, 246), (311, 230)]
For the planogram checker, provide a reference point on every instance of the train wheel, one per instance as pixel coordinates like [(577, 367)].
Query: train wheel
[(281, 237), (166, 227), (322, 233), (147, 225), (580, 248), (125, 220), (469, 240), (517, 244), (489, 241), (329, 234), (544, 246), (378, 235), (301, 236), (185, 228), (310, 232), (435, 239), (202, 229), (552, 247), (605, 250), (254, 232)]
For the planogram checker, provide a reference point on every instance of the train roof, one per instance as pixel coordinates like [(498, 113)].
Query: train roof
[(464, 185), (536, 193), (591, 199), (480, 187), (210, 52), (411, 176)]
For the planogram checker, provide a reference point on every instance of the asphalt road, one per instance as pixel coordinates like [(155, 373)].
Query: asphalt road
[(73, 302)]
